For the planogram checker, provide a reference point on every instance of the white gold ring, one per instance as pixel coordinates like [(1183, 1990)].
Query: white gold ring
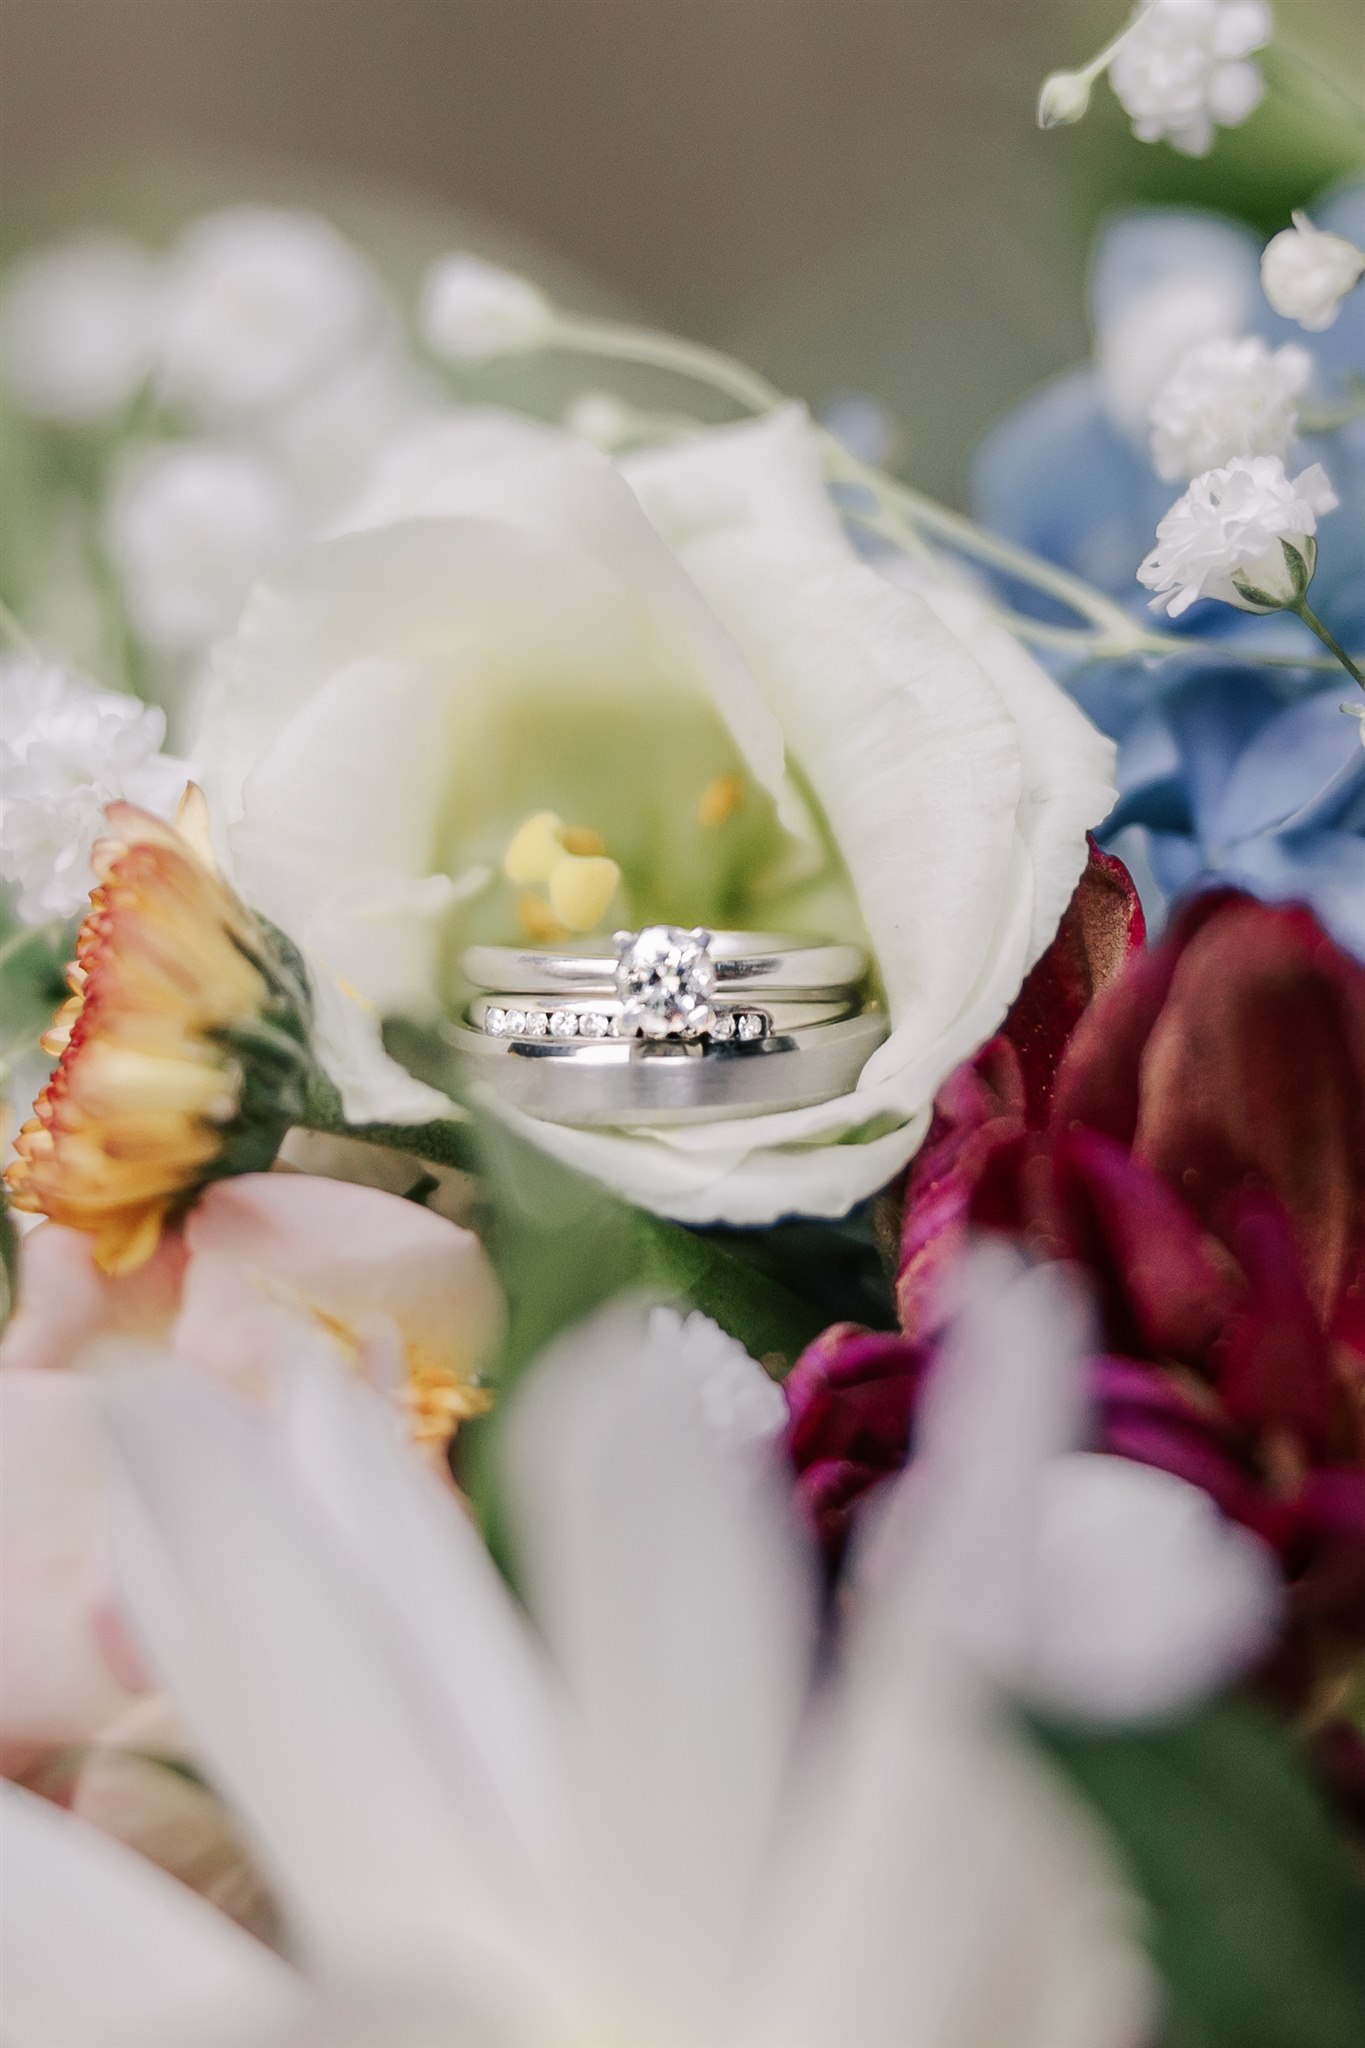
[(619, 1080), (665, 977)]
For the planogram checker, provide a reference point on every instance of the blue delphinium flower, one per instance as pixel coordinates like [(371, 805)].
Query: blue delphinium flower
[(1228, 772)]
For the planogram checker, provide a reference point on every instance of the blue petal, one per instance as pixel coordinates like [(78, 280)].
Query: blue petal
[(1340, 348), (1324, 869), (1213, 721), (1158, 245), (1301, 771), (1151, 780), (1055, 477)]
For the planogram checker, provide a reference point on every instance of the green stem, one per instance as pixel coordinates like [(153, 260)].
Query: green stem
[(19, 942), (14, 632), (1303, 610), (688, 359), (905, 515)]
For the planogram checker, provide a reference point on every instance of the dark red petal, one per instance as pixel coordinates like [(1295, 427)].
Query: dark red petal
[(1101, 927), (1273, 1361), (979, 1110), (1254, 1074), (1168, 1285)]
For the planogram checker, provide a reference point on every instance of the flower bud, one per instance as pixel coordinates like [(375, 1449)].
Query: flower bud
[(474, 312), (1306, 273), (1278, 578), (1064, 99)]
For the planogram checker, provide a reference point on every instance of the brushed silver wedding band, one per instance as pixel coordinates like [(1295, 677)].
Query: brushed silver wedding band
[(627, 1082)]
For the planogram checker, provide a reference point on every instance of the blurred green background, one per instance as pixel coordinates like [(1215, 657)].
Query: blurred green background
[(851, 192)]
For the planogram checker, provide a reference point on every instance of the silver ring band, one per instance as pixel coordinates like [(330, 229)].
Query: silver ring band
[(629, 1081), (587, 1017), (738, 961)]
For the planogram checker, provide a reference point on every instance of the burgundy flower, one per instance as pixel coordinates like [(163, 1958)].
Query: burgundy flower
[(852, 1394), (1188, 1125)]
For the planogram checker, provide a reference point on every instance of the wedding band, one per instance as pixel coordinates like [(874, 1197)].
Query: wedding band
[(674, 1081), (733, 960), (588, 1017)]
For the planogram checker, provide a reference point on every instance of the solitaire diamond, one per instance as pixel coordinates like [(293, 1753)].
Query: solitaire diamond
[(664, 978)]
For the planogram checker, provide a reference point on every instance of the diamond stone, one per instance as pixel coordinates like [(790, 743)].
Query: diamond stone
[(594, 1024), (664, 978), (516, 1023), (752, 1025), (723, 1025), (537, 1023), (563, 1024), (495, 1022)]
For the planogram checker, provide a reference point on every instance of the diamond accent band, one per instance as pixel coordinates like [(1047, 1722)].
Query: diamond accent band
[(746, 1027)]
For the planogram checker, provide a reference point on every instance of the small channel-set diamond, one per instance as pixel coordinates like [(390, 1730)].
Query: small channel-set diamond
[(746, 1026)]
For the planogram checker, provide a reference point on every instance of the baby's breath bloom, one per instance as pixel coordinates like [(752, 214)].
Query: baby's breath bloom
[(76, 327), (1227, 398), (260, 302), (67, 750), (191, 526), (181, 1053), (473, 312), (1182, 70), (1306, 273), (1242, 534)]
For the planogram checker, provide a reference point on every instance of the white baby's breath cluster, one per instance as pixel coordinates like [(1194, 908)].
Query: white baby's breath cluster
[(1224, 399), (249, 378), (1180, 70), (190, 526), (1243, 533), (66, 750), (1184, 69), (1306, 273)]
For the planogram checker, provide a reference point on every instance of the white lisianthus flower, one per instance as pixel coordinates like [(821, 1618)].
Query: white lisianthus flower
[(259, 303), (1183, 69), (1227, 398), (524, 627), (77, 324), (67, 750), (1242, 534), (653, 1814), (190, 525), (473, 311), (1307, 272)]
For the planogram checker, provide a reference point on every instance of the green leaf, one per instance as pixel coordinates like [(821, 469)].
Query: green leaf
[(9, 1261), (564, 1247), (1257, 1921)]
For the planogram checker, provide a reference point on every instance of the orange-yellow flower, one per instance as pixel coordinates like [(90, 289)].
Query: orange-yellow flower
[(182, 1051)]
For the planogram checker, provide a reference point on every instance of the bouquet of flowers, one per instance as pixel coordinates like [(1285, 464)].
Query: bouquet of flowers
[(685, 1250)]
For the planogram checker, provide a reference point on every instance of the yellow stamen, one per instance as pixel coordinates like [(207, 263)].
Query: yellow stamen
[(536, 846), (720, 799), (581, 888), (581, 839), (537, 920)]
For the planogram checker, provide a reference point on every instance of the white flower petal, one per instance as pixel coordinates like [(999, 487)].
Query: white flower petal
[(311, 1711), (101, 1946), (1147, 1601), (678, 1603)]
